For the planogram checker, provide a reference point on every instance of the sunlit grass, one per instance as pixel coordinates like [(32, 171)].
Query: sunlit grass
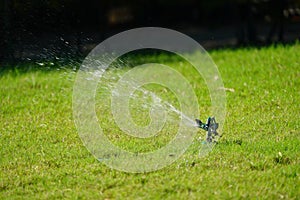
[(42, 156)]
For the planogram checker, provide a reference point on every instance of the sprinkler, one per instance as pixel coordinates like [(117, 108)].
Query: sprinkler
[(211, 127)]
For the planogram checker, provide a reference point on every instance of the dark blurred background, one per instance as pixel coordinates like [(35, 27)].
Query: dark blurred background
[(55, 29)]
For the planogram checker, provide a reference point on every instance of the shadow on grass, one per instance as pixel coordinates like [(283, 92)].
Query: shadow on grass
[(49, 65)]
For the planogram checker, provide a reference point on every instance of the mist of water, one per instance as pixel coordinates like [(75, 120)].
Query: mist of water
[(149, 98)]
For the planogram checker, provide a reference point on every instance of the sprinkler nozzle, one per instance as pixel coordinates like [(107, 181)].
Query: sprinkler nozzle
[(210, 126)]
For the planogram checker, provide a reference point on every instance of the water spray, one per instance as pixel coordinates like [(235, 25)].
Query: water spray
[(211, 127)]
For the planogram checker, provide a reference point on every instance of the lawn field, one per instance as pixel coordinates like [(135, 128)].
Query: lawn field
[(258, 156)]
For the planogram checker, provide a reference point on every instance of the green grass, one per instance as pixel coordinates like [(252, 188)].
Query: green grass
[(42, 156)]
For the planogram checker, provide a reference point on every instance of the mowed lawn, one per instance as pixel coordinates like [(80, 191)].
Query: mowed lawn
[(42, 156)]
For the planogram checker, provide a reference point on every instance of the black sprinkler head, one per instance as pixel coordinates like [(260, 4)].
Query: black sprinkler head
[(211, 127)]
